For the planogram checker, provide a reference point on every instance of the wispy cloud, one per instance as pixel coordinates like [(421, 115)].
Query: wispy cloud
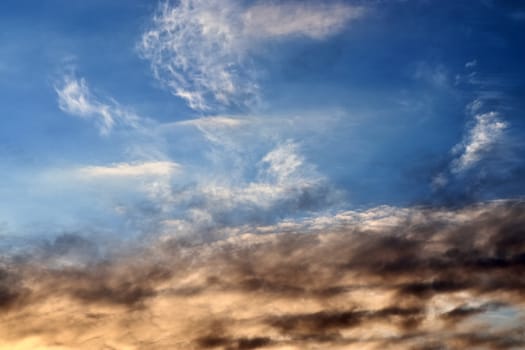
[(471, 64), (158, 168), (316, 20), (435, 75), (214, 122), (486, 145), (215, 128), (283, 162), (486, 132), (75, 98), (284, 184), (199, 49), (205, 175), (489, 151)]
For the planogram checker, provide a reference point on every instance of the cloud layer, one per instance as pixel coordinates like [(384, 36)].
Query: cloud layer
[(425, 279)]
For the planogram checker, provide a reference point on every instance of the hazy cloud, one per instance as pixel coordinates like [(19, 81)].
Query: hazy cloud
[(284, 185)]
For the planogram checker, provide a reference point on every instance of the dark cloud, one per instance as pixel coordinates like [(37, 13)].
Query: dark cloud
[(464, 311), (10, 291), (233, 344), (493, 340), (330, 322), (337, 288)]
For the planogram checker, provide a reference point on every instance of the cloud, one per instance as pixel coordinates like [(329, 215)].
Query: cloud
[(146, 187), (310, 19), (471, 64), (283, 162), (199, 49), (474, 106), (216, 129), (213, 122), (487, 131), (487, 161), (244, 170), (75, 98), (432, 278), (158, 168), (284, 185), (436, 75), (201, 176)]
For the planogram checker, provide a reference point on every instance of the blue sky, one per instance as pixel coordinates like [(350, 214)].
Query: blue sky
[(373, 103)]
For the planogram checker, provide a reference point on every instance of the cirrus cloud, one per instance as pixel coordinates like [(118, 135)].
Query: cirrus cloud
[(75, 98), (487, 131), (199, 49), (154, 168)]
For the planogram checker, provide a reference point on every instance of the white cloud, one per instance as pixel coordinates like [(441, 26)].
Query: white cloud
[(216, 129), (475, 106), (486, 132), (236, 169), (471, 64), (284, 184), (281, 175), (75, 98), (194, 51), (158, 168), (214, 122), (147, 182), (439, 181), (375, 219), (283, 162), (311, 19), (198, 48)]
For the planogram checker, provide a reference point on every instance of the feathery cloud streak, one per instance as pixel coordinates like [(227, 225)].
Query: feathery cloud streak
[(75, 98), (487, 131), (130, 170), (200, 49)]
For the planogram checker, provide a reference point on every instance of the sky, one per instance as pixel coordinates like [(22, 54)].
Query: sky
[(281, 174)]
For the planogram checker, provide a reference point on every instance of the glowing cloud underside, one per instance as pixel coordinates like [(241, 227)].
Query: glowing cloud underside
[(416, 279)]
